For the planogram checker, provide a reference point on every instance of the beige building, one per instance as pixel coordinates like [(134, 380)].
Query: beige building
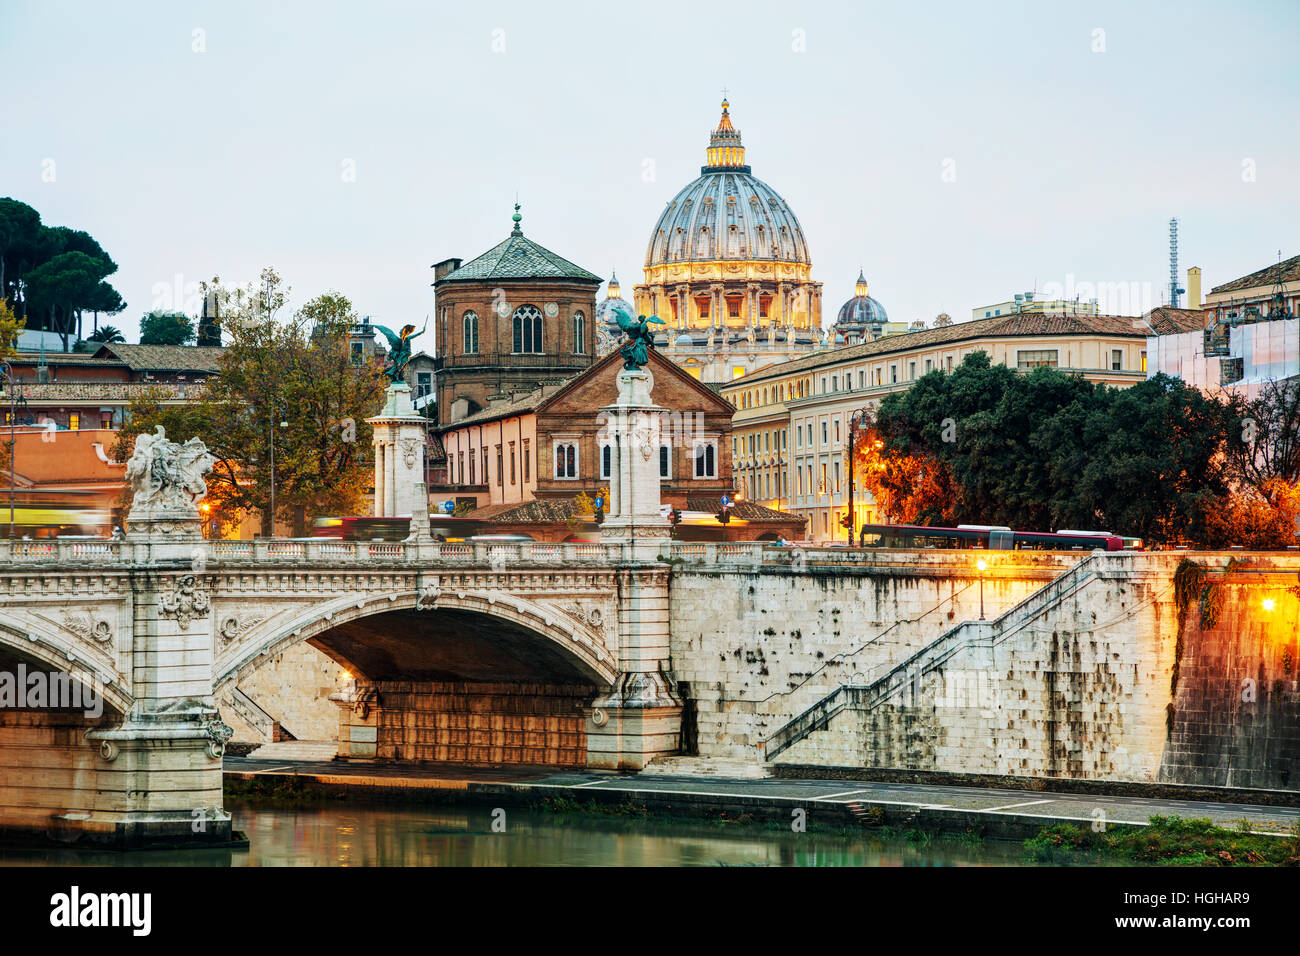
[(792, 421)]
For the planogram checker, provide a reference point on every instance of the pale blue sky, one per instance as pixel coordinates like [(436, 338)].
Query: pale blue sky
[(1068, 162)]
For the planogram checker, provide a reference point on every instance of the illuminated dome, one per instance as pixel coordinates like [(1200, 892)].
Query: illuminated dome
[(860, 319), (728, 271), (727, 213), (607, 331)]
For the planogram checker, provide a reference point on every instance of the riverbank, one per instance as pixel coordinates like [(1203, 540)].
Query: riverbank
[(983, 811)]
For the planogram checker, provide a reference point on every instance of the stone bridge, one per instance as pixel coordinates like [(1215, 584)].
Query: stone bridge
[(532, 653), (611, 654)]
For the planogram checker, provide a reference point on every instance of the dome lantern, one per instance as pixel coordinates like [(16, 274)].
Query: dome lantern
[(725, 149)]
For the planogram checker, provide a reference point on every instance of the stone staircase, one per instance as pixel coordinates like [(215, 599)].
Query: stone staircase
[(908, 676), (708, 767), (316, 751)]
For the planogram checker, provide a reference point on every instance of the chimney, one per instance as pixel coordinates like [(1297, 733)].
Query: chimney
[(445, 267), (1194, 287)]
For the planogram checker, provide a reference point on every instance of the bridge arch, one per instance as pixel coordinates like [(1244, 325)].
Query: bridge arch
[(398, 634), (57, 649)]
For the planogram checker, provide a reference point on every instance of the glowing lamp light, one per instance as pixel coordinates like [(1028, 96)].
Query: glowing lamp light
[(1269, 604), (982, 564)]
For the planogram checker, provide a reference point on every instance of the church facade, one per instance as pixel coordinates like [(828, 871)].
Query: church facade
[(729, 270)]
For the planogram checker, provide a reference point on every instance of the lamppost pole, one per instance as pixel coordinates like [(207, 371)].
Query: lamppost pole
[(981, 566), (272, 424), (11, 388)]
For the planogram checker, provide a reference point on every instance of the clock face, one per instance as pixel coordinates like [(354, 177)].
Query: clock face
[(552, 309), (503, 309)]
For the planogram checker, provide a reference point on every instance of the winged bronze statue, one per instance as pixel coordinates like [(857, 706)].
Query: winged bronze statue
[(636, 349), (399, 350)]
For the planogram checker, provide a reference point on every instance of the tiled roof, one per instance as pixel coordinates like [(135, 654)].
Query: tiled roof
[(1266, 276), (747, 510), (165, 358), (516, 406), (1166, 321), (1025, 323), (65, 358), (49, 393), (537, 511), (518, 258)]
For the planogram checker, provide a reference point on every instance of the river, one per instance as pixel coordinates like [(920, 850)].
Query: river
[(473, 836)]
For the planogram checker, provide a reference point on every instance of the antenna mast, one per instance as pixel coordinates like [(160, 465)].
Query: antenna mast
[(1174, 291)]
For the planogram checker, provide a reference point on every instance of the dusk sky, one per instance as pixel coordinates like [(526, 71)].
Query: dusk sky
[(957, 152)]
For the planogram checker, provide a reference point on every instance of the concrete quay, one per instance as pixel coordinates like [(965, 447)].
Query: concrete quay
[(994, 812)]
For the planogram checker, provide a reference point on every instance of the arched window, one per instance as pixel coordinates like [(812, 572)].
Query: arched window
[(528, 329), (471, 333), (579, 334), (606, 461)]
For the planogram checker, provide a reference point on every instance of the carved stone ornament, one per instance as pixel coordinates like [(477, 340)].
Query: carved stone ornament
[(233, 628), (88, 627), (428, 599), (643, 442), (218, 733), (587, 614), (410, 448), (186, 602)]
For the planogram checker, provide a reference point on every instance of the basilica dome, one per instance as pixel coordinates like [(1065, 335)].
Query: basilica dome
[(727, 213), (862, 318)]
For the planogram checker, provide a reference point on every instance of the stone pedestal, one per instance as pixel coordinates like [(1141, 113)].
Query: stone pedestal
[(640, 717), (632, 431), (399, 454)]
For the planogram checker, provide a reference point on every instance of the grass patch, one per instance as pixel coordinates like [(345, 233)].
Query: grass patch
[(276, 791), (1167, 841)]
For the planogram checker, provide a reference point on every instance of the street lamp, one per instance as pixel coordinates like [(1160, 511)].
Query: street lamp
[(16, 401), (282, 425), (982, 566)]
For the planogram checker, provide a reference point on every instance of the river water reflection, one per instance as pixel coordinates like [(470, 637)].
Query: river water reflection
[(464, 836)]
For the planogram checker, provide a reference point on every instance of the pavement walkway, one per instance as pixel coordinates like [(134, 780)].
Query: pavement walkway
[(1012, 812)]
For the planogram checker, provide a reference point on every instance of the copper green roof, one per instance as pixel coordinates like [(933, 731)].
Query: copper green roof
[(519, 258)]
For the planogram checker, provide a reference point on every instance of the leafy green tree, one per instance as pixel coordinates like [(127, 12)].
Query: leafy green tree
[(166, 328), (61, 288), (53, 275), (296, 372), (19, 225), (1045, 450), (106, 334)]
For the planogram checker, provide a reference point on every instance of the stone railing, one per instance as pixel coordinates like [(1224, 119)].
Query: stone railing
[(738, 554)]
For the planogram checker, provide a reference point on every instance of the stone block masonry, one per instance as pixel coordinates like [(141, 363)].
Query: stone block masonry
[(753, 646)]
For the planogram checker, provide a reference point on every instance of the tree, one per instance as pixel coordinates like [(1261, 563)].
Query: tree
[(62, 287), (106, 334), (166, 328), (19, 224), (52, 275), (298, 372), (10, 326), (1044, 450)]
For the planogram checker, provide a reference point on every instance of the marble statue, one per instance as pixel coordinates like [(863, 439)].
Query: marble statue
[(166, 476)]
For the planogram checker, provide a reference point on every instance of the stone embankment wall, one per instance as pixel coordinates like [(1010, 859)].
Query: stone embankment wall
[(1080, 683), (294, 688), (752, 646)]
